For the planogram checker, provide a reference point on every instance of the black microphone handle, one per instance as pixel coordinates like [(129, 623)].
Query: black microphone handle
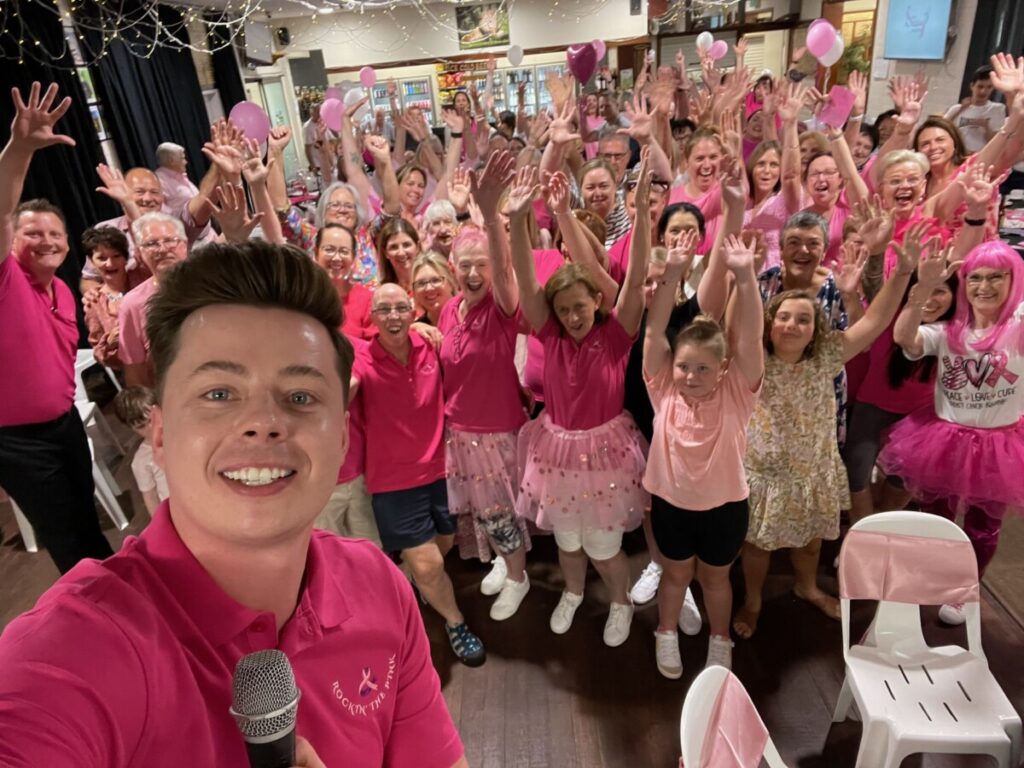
[(279, 753)]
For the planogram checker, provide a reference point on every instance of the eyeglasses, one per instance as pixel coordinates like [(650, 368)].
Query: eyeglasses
[(994, 279), (826, 174), (331, 250), (913, 181), (810, 245), (159, 245), (384, 310), (611, 156), (428, 282), (340, 207)]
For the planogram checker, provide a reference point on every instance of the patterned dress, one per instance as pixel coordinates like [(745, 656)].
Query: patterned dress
[(797, 479), (831, 303)]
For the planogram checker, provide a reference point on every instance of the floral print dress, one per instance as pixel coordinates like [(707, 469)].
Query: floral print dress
[(797, 479)]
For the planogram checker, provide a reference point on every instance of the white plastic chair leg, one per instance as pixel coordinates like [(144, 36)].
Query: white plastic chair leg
[(108, 433), (107, 497), (843, 703), (28, 534), (874, 745), (113, 378)]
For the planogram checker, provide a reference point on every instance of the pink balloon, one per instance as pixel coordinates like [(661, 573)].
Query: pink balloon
[(718, 49), (330, 113), (582, 61), (252, 120), (333, 93), (820, 39), (599, 48), (368, 76)]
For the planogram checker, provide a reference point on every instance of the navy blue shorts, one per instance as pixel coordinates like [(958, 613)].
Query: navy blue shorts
[(412, 516)]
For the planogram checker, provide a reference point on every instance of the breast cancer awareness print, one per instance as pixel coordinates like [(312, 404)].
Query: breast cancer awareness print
[(999, 362), (368, 684)]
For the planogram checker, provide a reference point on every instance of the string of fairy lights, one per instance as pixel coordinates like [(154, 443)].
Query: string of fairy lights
[(94, 26), (696, 8)]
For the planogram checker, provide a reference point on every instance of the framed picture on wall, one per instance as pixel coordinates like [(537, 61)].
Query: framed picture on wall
[(482, 26)]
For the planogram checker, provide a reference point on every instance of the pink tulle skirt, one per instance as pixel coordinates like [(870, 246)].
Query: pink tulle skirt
[(963, 466), (578, 479), (483, 478)]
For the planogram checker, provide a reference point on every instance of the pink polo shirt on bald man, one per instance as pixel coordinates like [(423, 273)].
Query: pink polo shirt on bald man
[(403, 408), (128, 662)]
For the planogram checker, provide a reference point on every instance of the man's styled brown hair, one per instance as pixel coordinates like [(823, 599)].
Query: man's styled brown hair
[(255, 274)]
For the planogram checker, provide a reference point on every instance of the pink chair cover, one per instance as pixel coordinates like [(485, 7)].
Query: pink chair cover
[(736, 734), (907, 569)]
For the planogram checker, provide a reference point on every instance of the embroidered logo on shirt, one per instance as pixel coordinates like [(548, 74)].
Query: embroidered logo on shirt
[(371, 692)]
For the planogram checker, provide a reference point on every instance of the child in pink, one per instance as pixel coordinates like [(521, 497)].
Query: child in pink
[(582, 460), (703, 401), (965, 455)]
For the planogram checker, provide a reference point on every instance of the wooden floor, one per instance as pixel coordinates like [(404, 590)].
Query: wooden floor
[(546, 700)]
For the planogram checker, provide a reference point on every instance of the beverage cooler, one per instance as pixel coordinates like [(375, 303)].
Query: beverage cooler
[(417, 92), (379, 99), (513, 79)]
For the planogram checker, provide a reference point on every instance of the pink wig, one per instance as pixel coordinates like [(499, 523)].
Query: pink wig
[(468, 237), (993, 254)]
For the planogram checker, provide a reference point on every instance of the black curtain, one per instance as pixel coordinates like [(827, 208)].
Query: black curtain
[(151, 100), (998, 27), (225, 65), (65, 176)]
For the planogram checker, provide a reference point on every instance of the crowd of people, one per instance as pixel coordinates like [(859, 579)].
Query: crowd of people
[(708, 314)]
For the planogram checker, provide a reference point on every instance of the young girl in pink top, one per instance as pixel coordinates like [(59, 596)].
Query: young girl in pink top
[(965, 455), (483, 404), (582, 461), (703, 396)]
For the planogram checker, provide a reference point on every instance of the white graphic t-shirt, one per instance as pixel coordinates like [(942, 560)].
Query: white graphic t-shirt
[(977, 124), (977, 389)]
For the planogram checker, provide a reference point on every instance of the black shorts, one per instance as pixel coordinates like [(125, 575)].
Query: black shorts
[(413, 516), (714, 536)]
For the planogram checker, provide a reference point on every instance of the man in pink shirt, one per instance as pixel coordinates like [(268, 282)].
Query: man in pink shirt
[(399, 381), (162, 244), (45, 464), (130, 661)]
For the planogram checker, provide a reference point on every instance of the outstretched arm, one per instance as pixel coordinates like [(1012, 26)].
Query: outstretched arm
[(748, 316), (256, 175), (713, 291), (856, 189), (932, 271), (351, 159), (531, 292), (31, 129), (630, 304), (486, 190), (657, 350)]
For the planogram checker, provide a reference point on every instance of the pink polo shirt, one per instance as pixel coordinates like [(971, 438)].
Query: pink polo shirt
[(177, 187), (128, 662), (132, 318), (546, 261), (481, 388), (355, 306), (404, 409), (38, 343), (355, 458), (618, 257), (585, 382)]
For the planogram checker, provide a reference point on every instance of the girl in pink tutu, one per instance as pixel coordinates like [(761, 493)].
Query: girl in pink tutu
[(965, 455), (483, 406), (583, 459)]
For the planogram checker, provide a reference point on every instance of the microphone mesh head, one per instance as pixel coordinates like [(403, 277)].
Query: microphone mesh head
[(264, 683)]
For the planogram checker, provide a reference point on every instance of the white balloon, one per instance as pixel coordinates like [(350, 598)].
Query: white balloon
[(705, 40), (515, 55), (351, 97), (834, 53)]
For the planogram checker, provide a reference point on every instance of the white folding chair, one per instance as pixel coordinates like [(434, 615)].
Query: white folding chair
[(84, 360), (89, 412), (28, 534), (720, 727), (912, 697)]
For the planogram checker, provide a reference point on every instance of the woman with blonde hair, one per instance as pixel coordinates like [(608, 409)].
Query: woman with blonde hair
[(433, 286)]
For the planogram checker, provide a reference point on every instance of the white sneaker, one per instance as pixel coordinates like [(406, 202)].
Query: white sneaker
[(561, 617), (689, 616), (616, 628), (719, 652), (666, 651), (646, 586), (953, 614), (510, 598), (495, 580)]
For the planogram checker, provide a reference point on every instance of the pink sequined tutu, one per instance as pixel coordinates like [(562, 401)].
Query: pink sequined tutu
[(482, 483), (578, 479), (963, 466)]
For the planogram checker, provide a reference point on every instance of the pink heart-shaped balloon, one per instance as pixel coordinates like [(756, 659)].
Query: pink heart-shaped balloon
[(582, 60)]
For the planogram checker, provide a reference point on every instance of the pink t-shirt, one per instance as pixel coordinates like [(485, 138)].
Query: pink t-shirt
[(481, 388), (696, 457), (710, 204), (770, 218), (875, 389), (546, 261), (836, 222), (38, 340), (618, 257), (132, 319), (128, 662), (355, 458), (355, 306), (585, 382), (404, 410)]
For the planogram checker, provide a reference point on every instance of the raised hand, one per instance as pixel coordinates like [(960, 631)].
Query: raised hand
[(790, 101), (561, 126), (681, 249), (935, 267), (379, 149), (227, 159), (910, 250), (556, 193), (232, 214), (641, 119), (1007, 75), (756, 239), (522, 192), (913, 99), (279, 139), (253, 169), (487, 188), (642, 195), (729, 123), (351, 111), (538, 130), (737, 256), (734, 183), (458, 188), (877, 227), (32, 127), (858, 83), (454, 121), (849, 271), (114, 185), (979, 188)]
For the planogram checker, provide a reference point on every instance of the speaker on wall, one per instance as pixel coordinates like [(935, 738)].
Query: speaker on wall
[(284, 37)]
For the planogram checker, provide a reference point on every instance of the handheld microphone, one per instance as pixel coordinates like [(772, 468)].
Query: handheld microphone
[(264, 703)]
